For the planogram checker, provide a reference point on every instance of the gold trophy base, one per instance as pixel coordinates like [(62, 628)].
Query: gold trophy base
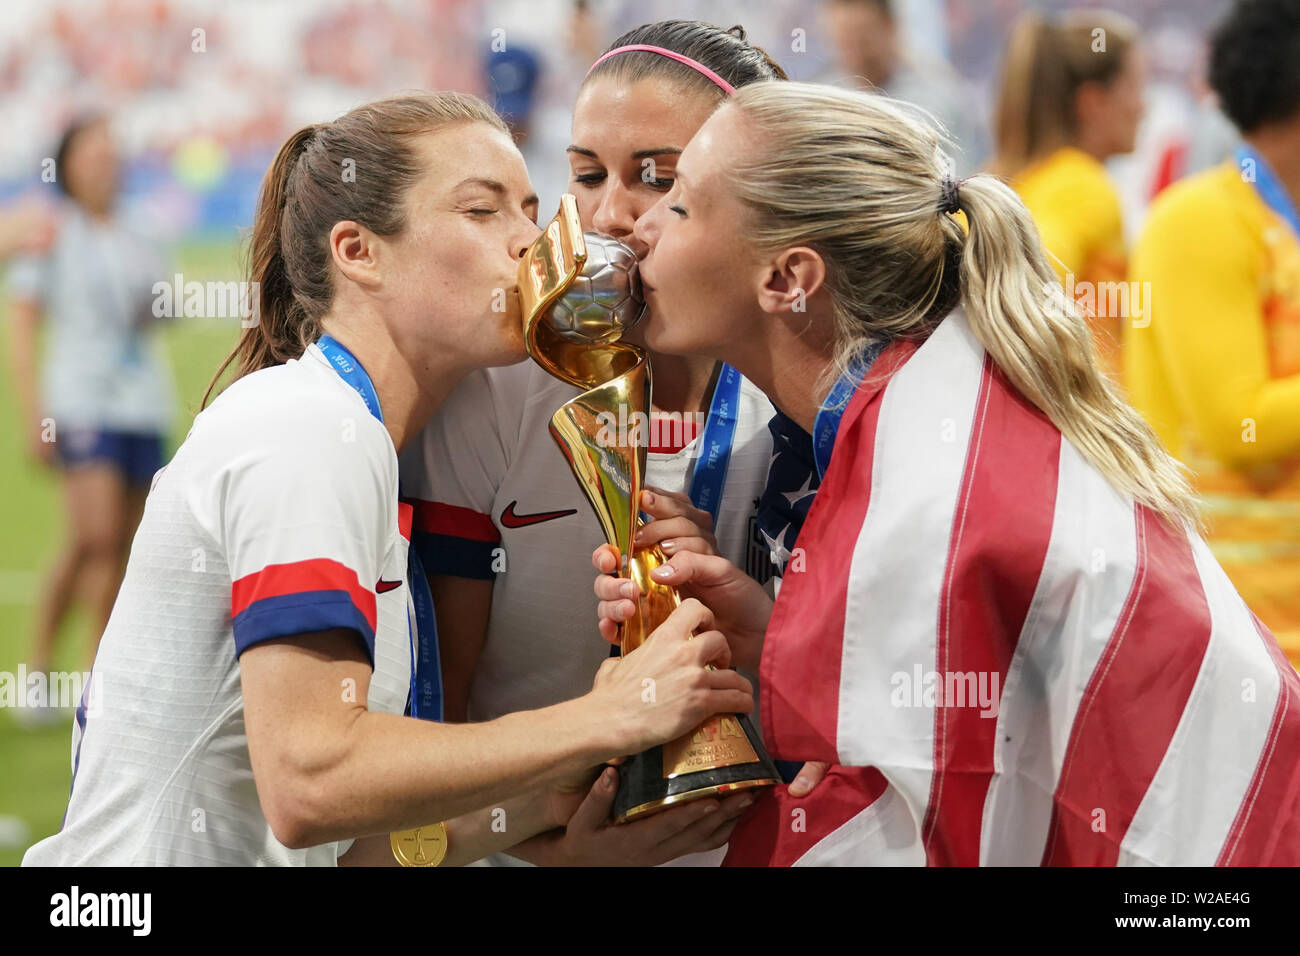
[(733, 759)]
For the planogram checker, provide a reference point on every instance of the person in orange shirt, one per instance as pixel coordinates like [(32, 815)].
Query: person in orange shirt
[(1071, 97), (1217, 371)]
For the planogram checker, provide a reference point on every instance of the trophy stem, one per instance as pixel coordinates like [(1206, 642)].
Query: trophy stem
[(724, 754)]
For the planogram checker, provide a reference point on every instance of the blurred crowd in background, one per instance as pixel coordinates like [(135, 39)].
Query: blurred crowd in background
[(202, 93)]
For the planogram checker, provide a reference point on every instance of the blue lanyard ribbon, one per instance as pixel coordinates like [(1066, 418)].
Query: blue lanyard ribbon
[(710, 474), (351, 371), (426, 666), (426, 663), (1270, 188), (827, 424)]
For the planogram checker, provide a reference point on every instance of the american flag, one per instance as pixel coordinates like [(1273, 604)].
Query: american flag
[(1007, 661)]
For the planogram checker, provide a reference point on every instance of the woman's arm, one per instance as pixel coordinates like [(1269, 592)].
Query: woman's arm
[(25, 323), (1200, 266), (470, 836), (463, 607), (327, 768)]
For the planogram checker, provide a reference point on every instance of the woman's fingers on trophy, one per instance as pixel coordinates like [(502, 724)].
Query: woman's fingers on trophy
[(661, 505), (678, 524), (593, 813), (608, 630), (676, 544), (709, 832), (653, 833), (605, 559), (616, 597), (687, 618), (810, 774), (733, 693), (711, 648), (691, 567)]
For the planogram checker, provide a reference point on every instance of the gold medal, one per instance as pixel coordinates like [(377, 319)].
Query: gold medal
[(423, 846)]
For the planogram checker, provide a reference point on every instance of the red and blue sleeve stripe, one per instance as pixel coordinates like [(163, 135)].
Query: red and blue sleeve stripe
[(454, 540), (300, 597)]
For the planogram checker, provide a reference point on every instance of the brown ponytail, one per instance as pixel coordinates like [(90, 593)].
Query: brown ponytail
[(358, 167), (1045, 64)]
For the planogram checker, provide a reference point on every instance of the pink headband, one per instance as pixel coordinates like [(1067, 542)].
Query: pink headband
[(645, 48)]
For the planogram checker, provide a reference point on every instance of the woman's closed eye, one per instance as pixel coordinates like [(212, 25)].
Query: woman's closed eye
[(659, 183)]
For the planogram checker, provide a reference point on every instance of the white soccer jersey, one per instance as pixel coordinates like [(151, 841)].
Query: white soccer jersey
[(486, 474), (278, 515)]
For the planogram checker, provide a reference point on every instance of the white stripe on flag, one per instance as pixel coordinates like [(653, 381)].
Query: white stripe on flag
[(1188, 810), (898, 563), (1086, 577), (884, 834)]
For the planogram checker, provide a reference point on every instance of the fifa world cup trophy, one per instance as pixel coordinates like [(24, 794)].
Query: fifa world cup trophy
[(577, 295)]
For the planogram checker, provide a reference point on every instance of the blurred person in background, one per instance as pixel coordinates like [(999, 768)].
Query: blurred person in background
[(514, 78), (105, 402), (1217, 372), (870, 49), (1071, 98), (27, 227)]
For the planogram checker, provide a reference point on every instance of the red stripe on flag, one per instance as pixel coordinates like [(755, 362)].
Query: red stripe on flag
[(1266, 831), (1133, 701), (1001, 529), (775, 833), (800, 670), (299, 577), (434, 517)]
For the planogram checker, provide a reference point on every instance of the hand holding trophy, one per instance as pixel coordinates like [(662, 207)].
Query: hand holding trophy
[(577, 295)]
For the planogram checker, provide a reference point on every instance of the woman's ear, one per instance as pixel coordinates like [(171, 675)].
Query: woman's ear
[(353, 248), (789, 279)]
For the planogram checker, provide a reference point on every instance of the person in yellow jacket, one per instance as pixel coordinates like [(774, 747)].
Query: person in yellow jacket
[(1217, 371), (1071, 96)]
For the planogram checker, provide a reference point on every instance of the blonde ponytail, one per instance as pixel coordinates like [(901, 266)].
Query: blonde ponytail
[(1041, 342)]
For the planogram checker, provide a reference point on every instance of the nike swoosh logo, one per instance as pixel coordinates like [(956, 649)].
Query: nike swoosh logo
[(385, 586), (512, 520)]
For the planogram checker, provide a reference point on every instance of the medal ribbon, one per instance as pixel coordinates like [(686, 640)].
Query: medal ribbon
[(710, 474), (1270, 188), (425, 701), (827, 424)]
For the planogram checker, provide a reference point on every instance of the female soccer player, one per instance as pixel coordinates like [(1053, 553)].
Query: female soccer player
[(105, 401), (1071, 97), (505, 529), (246, 704), (1006, 632), (1217, 371)]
